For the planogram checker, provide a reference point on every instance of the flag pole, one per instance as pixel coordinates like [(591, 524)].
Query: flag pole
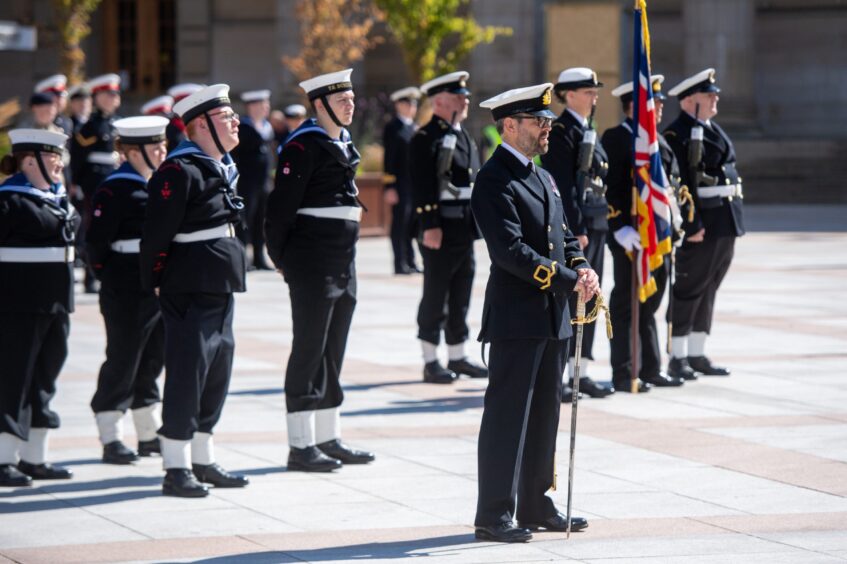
[(634, 345)]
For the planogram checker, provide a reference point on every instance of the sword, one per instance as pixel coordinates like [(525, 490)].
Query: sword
[(580, 325)]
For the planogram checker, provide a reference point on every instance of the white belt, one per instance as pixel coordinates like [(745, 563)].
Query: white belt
[(127, 246), (350, 213), (103, 158), (719, 191), (464, 194), (36, 254), (219, 232)]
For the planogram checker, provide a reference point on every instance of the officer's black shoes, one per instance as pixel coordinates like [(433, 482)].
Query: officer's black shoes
[(468, 368), (503, 532), (557, 522), (338, 450), (703, 365), (11, 477), (217, 476), (592, 389), (44, 471), (180, 482), (661, 380), (311, 459), (625, 385), (118, 453), (434, 373), (149, 448), (679, 368)]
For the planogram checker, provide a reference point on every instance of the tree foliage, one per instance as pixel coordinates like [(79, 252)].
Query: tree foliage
[(334, 34), (73, 19), (435, 35)]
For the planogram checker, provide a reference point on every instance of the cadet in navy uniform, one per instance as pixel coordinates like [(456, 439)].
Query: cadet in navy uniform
[(253, 157), (444, 161), (163, 106), (93, 155), (80, 106), (709, 244), (36, 274), (586, 209), (55, 86), (135, 335), (397, 182), (312, 225), (190, 254), (536, 263), (623, 238)]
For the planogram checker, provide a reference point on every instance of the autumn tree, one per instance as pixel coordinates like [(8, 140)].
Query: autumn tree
[(435, 35), (73, 19)]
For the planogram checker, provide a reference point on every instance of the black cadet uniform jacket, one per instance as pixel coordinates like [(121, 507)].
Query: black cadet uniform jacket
[(423, 155), (617, 142), (33, 221), (396, 138), (95, 135), (253, 157), (721, 217), (561, 160), (118, 215), (313, 172), (522, 216), (189, 193)]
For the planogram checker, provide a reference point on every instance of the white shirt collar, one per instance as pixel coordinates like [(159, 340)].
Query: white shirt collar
[(520, 156), (405, 120), (579, 118)]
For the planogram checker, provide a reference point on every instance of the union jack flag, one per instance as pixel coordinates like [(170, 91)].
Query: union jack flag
[(650, 190)]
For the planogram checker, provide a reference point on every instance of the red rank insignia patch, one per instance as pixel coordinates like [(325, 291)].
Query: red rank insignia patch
[(166, 191)]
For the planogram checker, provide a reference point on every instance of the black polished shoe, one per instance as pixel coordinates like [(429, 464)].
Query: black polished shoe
[(468, 368), (557, 522), (679, 368), (180, 482), (402, 270), (703, 365), (118, 453), (11, 477), (311, 459), (625, 385), (149, 448), (217, 476), (434, 373), (44, 471), (592, 389), (503, 532), (262, 265), (661, 380), (338, 450)]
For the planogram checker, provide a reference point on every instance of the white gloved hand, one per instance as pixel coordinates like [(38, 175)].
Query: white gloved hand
[(628, 238)]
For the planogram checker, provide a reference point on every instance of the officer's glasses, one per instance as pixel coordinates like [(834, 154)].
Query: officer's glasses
[(542, 122), (226, 117)]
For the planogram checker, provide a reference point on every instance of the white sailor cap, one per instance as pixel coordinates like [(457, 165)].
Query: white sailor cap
[(202, 101), (408, 93), (455, 83), (141, 130), (255, 96), (158, 105), (79, 91), (37, 140), (180, 91), (532, 100), (105, 83), (294, 110), (331, 83), (703, 81), (52, 84), (624, 91), (577, 77)]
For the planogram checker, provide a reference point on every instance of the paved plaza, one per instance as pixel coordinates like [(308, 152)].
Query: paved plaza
[(746, 469)]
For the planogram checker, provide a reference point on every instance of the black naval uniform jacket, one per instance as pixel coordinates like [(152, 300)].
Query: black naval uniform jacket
[(175, 131), (313, 172), (721, 217), (423, 157), (253, 157), (190, 192), (523, 219), (561, 160), (396, 139), (118, 215), (29, 219), (94, 136), (617, 142)]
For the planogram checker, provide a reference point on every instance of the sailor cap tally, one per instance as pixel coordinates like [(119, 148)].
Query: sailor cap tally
[(294, 110), (255, 96), (577, 77), (455, 83), (624, 91), (105, 83), (408, 93), (37, 140), (202, 101), (331, 83), (703, 81), (53, 85), (141, 130), (180, 91), (160, 104), (532, 100)]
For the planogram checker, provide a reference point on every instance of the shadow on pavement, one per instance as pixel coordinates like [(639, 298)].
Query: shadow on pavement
[(66, 503), (70, 486), (441, 405)]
